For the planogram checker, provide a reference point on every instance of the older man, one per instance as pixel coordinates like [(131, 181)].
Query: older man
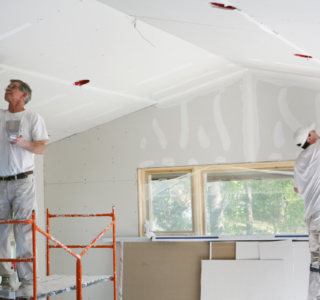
[(307, 183), (17, 186)]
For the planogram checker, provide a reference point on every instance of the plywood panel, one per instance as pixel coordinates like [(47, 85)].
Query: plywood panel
[(163, 271), (225, 250)]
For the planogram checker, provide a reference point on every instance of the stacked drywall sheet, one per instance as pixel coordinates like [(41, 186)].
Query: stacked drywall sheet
[(301, 262), (230, 270), (295, 257), (242, 280), (279, 269)]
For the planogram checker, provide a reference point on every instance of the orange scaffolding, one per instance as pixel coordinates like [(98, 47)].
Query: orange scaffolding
[(35, 228)]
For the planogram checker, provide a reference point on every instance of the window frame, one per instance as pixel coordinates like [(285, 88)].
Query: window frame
[(197, 188)]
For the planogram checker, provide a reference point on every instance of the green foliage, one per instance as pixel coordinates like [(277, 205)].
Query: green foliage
[(237, 207), (171, 205), (275, 208)]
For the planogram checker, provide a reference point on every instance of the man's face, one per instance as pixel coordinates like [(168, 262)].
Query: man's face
[(13, 94), (313, 136)]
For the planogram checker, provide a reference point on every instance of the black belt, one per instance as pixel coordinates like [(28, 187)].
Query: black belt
[(15, 177), (312, 269)]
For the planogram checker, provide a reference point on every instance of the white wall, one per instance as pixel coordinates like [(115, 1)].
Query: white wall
[(247, 118)]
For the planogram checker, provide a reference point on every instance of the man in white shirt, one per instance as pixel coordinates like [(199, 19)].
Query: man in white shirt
[(17, 186), (307, 183)]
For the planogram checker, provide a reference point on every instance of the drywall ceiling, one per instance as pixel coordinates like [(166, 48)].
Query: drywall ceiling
[(131, 65), (258, 34), (143, 52)]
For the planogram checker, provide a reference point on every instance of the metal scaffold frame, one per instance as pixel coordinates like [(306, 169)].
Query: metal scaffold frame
[(35, 228)]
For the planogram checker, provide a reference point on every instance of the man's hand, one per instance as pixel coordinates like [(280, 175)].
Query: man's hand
[(38, 147), (296, 190), (19, 141)]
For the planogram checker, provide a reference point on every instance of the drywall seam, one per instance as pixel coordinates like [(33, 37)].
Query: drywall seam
[(203, 138), (169, 162), (166, 73), (184, 82), (222, 130), (13, 31), (250, 123), (286, 114), (192, 162), (75, 109), (278, 136), (184, 125), (143, 144), (188, 99), (47, 101), (192, 23), (160, 135), (93, 181), (105, 113), (70, 83), (266, 29), (221, 160), (286, 79), (146, 164), (200, 85)]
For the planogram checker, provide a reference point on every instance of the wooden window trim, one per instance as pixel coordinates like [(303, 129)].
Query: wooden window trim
[(197, 186)]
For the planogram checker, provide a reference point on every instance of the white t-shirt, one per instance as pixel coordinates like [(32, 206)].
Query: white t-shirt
[(14, 159), (307, 178)]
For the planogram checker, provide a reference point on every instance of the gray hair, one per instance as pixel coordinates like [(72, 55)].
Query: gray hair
[(24, 87)]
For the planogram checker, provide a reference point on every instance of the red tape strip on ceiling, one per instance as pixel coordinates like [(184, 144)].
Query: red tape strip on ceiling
[(82, 82), (220, 5), (301, 55)]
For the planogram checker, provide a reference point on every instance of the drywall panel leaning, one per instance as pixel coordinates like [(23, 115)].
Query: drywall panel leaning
[(281, 250), (163, 271), (301, 263), (242, 280), (247, 250)]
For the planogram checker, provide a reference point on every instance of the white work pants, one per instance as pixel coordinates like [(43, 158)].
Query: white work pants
[(313, 224), (17, 197)]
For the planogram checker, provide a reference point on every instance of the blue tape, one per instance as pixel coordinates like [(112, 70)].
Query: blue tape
[(186, 237), (289, 236)]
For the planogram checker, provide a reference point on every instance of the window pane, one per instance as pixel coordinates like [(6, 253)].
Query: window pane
[(170, 203), (259, 206)]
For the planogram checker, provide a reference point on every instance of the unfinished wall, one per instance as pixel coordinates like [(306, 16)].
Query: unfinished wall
[(247, 118)]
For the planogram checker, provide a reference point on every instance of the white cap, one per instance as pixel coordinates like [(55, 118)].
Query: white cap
[(301, 134)]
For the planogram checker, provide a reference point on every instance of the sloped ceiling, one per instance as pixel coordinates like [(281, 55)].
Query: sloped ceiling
[(258, 34), (142, 52)]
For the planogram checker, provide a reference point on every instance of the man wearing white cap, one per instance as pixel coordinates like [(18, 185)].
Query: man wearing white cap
[(307, 183)]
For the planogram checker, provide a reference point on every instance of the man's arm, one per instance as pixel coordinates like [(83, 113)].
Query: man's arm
[(296, 190), (38, 147)]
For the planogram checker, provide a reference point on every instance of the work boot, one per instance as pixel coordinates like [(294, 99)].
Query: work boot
[(26, 288), (8, 279)]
